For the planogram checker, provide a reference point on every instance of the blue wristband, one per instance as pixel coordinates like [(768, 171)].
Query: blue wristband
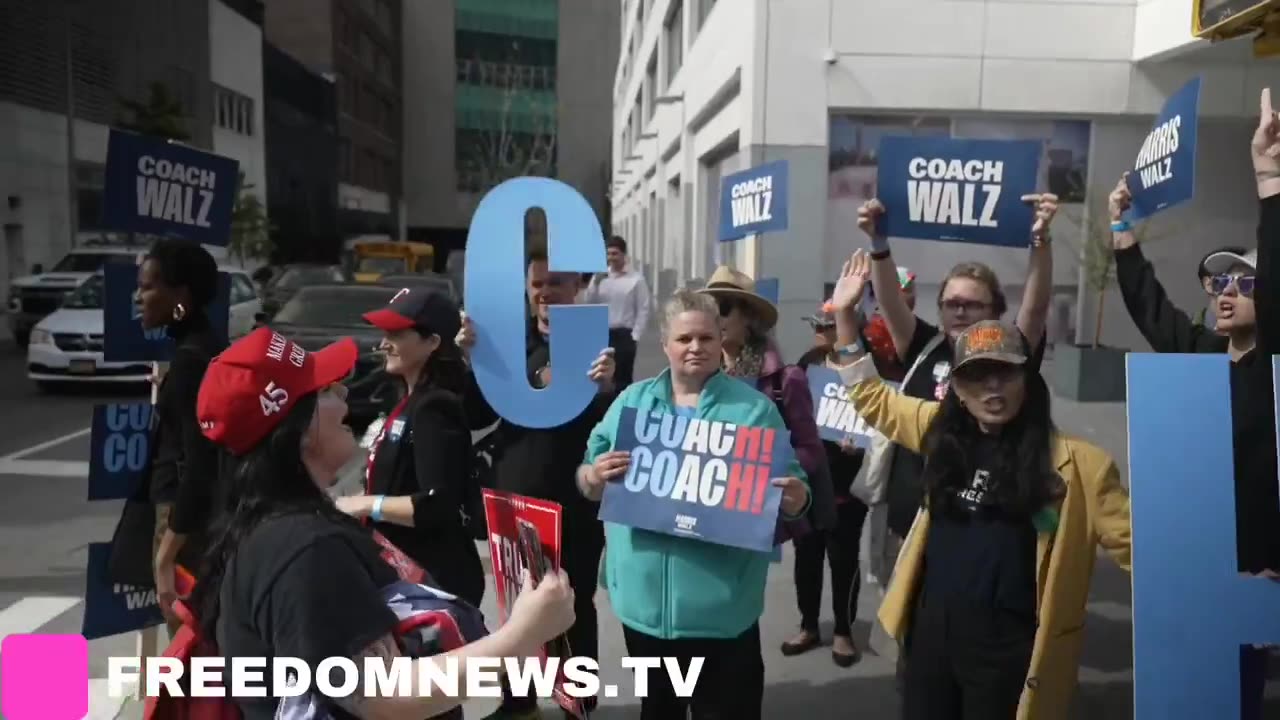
[(853, 348), (1121, 226), (376, 513)]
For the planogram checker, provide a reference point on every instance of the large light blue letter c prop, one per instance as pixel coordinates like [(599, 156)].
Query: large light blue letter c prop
[(1191, 608), (495, 301)]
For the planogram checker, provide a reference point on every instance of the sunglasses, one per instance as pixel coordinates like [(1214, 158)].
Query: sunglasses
[(1218, 284)]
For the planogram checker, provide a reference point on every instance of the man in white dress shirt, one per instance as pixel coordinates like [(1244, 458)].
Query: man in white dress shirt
[(627, 295)]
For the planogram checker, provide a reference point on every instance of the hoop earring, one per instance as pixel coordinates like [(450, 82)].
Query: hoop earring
[(179, 312)]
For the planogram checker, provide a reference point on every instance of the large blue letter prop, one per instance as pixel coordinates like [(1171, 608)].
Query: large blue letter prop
[(495, 282), (1192, 610)]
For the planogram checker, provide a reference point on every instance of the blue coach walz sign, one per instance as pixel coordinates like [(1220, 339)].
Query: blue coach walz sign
[(1187, 591), (958, 190), (1164, 173), (119, 449), (157, 187), (123, 337), (754, 201)]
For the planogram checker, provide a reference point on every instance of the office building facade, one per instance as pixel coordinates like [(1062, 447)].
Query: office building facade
[(496, 90)]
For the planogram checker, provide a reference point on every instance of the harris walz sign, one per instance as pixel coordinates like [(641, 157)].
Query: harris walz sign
[(157, 187), (1165, 170)]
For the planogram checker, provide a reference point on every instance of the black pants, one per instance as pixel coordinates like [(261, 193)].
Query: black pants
[(582, 542), (966, 662), (730, 687), (1253, 681), (624, 356), (840, 546)]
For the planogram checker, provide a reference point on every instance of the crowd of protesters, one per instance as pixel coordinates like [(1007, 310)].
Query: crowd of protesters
[(982, 516)]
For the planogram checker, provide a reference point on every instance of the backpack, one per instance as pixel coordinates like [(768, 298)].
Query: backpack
[(822, 505), (431, 622)]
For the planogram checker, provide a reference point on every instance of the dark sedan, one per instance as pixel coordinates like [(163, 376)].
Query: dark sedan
[(321, 314), (293, 278), (429, 281)]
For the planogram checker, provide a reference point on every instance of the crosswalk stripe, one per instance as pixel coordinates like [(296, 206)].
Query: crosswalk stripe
[(45, 468), (30, 613), (101, 705)]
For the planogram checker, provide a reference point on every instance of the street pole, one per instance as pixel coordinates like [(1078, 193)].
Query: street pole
[(73, 214)]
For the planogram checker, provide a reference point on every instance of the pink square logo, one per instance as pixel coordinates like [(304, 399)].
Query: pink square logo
[(45, 677)]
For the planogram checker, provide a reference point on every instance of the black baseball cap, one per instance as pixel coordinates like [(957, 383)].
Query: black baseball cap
[(425, 310)]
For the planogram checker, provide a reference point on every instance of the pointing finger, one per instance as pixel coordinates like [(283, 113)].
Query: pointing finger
[(1266, 103)]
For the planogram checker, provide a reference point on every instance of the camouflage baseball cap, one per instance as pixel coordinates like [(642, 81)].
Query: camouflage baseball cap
[(990, 340)]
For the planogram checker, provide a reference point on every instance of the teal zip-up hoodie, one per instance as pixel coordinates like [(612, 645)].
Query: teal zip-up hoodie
[(672, 587)]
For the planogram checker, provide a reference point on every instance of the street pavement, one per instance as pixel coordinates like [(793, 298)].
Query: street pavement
[(46, 525)]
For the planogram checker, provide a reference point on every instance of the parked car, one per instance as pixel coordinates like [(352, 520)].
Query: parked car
[(66, 346), (432, 281), (321, 314), (35, 296), (293, 278)]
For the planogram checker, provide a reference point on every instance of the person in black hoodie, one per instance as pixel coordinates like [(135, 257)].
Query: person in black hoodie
[(542, 463), (1248, 330), (177, 281), (841, 544), (419, 489)]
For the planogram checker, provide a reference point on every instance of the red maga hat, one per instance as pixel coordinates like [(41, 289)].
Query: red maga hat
[(250, 388)]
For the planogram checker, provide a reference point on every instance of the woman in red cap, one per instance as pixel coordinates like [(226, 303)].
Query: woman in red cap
[(419, 488), (290, 575)]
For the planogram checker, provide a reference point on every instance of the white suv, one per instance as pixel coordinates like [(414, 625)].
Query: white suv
[(33, 297), (66, 346)]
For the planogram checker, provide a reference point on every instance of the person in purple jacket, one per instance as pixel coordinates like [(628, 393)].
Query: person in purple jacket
[(751, 355)]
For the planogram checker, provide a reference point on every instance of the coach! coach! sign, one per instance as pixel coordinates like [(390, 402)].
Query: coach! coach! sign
[(697, 478)]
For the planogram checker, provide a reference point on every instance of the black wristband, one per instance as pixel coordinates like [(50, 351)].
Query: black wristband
[(880, 255)]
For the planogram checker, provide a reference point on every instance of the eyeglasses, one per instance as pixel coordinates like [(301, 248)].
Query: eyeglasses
[(1218, 284), (968, 307)]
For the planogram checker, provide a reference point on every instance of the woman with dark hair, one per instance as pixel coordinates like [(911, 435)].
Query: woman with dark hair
[(419, 489), (177, 282), (988, 597), (290, 575)]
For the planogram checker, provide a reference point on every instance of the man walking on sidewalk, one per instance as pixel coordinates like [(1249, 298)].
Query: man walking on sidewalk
[(627, 294)]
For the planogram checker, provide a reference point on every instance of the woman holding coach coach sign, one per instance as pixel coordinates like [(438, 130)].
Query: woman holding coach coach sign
[(989, 593), (678, 596)]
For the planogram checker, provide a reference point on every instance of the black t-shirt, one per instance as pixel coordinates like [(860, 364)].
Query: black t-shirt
[(975, 550), (930, 381), (303, 586)]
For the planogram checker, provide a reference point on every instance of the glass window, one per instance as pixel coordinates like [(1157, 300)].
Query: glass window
[(241, 289), (673, 40), (340, 307), (650, 87)]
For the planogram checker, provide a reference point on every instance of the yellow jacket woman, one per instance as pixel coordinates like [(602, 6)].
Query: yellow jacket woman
[(989, 592)]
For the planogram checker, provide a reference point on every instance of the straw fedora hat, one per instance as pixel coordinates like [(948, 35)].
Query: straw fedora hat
[(727, 283)]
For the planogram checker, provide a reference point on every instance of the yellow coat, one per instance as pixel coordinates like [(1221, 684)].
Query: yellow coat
[(1094, 512)]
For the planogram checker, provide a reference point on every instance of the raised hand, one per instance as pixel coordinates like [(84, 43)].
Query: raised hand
[(1265, 147), (1120, 198), (1046, 205), (852, 282), (868, 214)]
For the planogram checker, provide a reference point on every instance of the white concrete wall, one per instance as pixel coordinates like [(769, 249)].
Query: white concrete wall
[(33, 168), (977, 63), (236, 64)]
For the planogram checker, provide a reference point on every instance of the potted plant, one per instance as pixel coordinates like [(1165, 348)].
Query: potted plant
[(1087, 370)]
